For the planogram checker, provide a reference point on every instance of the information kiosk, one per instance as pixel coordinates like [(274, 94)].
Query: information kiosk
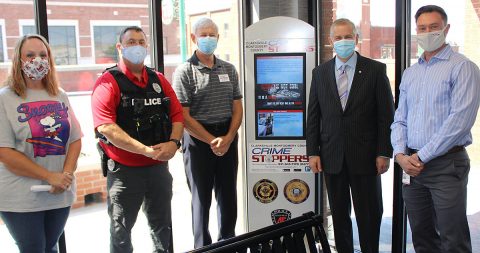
[(279, 58)]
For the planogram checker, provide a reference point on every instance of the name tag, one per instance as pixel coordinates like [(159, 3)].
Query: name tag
[(223, 78)]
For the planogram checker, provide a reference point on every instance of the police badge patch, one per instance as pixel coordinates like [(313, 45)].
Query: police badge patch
[(111, 165), (280, 215), (265, 191), (157, 87), (296, 191)]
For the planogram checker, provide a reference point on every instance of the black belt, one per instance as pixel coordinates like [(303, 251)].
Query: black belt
[(450, 151), (217, 126)]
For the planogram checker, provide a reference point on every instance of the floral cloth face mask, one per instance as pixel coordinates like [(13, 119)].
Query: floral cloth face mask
[(36, 68)]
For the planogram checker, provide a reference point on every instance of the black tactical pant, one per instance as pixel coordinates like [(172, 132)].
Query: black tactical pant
[(130, 187)]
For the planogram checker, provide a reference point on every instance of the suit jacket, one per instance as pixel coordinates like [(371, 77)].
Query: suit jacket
[(360, 133)]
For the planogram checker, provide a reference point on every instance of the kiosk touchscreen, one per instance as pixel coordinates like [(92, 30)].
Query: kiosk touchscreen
[(280, 95)]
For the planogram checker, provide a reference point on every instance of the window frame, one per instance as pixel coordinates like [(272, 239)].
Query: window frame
[(25, 22), (95, 23), (56, 22), (4, 42)]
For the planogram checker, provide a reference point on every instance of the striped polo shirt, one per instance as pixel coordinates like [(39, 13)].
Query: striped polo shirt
[(209, 93)]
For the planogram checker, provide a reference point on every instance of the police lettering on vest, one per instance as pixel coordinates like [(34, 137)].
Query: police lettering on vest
[(150, 101), (143, 113)]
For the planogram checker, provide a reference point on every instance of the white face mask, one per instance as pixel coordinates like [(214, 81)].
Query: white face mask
[(36, 68), (431, 41)]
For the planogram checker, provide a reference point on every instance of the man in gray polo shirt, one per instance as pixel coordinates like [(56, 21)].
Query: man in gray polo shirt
[(208, 90)]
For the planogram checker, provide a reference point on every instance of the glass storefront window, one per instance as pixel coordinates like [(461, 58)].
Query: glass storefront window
[(2, 41), (177, 40), (375, 22), (463, 37), (83, 35), (105, 38), (10, 31), (62, 40)]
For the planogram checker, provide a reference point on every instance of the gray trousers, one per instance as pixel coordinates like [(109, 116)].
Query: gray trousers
[(436, 205), (130, 187), (206, 172)]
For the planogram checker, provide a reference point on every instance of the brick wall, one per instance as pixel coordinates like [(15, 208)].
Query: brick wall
[(89, 181), (328, 15)]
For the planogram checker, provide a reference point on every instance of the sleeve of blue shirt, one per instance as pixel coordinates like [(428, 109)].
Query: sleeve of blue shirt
[(399, 125), (463, 112)]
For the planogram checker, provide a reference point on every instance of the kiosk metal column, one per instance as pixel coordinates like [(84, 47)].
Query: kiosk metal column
[(279, 58)]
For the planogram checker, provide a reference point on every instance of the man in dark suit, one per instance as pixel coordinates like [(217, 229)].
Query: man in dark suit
[(348, 136)]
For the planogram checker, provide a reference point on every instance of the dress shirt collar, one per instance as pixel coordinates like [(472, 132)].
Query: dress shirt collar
[(443, 54), (352, 62)]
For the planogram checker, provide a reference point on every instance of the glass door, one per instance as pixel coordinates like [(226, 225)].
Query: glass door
[(463, 37)]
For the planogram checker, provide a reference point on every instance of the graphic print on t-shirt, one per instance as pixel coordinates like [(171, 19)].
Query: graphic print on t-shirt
[(49, 125)]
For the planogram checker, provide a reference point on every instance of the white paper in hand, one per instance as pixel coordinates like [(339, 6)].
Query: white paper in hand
[(40, 188)]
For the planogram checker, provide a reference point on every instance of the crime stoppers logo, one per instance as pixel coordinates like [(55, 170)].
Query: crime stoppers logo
[(296, 191), (265, 191), (280, 215)]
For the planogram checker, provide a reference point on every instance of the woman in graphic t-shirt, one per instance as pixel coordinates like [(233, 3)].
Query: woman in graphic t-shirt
[(40, 141)]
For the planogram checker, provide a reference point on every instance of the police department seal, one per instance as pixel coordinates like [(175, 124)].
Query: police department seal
[(280, 215), (111, 165), (296, 191), (157, 87), (265, 191)]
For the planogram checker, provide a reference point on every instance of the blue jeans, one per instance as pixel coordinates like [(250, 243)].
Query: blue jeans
[(36, 232)]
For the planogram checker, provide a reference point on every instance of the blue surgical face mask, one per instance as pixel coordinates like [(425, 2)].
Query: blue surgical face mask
[(134, 54), (207, 45), (344, 48)]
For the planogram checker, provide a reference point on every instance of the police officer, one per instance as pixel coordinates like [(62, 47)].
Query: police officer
[(139, 120)]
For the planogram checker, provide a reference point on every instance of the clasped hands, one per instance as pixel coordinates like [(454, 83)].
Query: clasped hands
[(220, 145), (410, 164), (162, 152), (60, 181)]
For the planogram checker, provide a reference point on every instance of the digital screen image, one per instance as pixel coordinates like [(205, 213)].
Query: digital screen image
[(280, 95), (280, 81), (274, 68), (283, 124)]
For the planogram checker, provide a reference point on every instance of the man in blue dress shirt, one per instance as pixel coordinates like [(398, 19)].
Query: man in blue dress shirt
[(439, 99)]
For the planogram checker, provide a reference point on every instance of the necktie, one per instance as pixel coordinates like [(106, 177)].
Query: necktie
[(342, 85)]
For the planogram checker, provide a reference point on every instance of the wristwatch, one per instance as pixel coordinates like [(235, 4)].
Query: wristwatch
[(177, 142)]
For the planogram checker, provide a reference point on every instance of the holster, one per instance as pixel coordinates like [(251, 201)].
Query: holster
[(103, 159)]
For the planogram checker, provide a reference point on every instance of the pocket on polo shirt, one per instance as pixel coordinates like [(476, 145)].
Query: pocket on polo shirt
[(201, 83)]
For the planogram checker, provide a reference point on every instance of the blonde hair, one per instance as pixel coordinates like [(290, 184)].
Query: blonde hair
[(15, 79)]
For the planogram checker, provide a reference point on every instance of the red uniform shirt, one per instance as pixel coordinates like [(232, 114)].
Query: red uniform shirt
[(105, 100)]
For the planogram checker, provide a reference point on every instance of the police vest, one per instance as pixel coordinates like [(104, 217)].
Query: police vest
[(143, 113)]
